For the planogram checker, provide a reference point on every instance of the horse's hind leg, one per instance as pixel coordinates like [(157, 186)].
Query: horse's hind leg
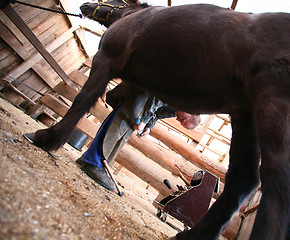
[(273, 124), (55, 136), (241, 180)]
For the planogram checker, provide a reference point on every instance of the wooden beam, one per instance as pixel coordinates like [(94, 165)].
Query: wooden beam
[(164, 157), (193, 134), (211, 149), (75, 22), (85, 125), (20, 49), (147, 170), (65, 90), (19, 92), (78, 77), (218, 136), (234, 4), (33, 60), (68, 92), (17, 20), (99, 34), (188, 152)]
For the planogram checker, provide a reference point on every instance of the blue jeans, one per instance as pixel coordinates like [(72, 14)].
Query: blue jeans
[(94, 155)]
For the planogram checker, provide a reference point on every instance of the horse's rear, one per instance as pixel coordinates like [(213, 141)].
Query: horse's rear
[(269, 91), (205, 59)]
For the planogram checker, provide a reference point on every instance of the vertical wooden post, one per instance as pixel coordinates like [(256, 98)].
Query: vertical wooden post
[(234, 4)]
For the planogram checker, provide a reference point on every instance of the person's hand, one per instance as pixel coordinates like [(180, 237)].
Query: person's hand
[(145, 132), (142, 130), (139, 127)]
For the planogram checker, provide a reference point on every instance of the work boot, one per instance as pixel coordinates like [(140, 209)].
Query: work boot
[(99, 174), (81, 161)]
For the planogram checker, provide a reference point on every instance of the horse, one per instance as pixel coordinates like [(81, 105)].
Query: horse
[(202, 58)]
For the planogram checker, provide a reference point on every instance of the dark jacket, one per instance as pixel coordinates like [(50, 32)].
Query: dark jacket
[(135, 104)]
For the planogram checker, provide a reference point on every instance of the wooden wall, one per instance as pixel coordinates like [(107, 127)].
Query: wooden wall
[(20, 60)]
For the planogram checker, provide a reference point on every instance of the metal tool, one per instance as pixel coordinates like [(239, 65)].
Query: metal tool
[(167, 183), (106, 165)]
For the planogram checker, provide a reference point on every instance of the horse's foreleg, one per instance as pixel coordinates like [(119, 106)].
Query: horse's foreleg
[(241, 179), (55, 136), (273, 124)]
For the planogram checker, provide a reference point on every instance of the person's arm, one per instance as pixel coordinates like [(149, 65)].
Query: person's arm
[(162, 112), (150, 108), (154, 109)]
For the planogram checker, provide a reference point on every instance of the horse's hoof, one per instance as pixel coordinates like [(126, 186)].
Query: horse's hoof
[(29, 137)]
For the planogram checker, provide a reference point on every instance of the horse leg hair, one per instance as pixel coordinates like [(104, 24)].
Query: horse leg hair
[(273, 126), (241, 179), (55, 136)]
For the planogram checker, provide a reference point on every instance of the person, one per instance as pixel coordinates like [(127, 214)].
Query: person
[(132, 110), (187, 120)]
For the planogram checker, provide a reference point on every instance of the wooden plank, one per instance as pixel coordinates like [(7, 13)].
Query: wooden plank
[(22, 10), (16, 19), (16, 32), (32, 81), (9, 38), (98, 110), (193, 134), (75, 22), (88, 62), (82, 41), (47, 31), (85, 125), (18, 47), (234, 4), (78, 77), (13, 41), (218, 136), (40, 17), (9, 63), (28, 79), (37, 57), (147, 170), (4, 51), (188, 152), (211, 149), (65, 90), (19, 92), (249, 219), (206, 123), (74, 57), (164, 157), (54, 104)]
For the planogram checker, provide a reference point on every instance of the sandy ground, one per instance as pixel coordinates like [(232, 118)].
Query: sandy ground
[(46, 198)]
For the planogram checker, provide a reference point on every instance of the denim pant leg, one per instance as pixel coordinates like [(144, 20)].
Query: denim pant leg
[(94, 155)]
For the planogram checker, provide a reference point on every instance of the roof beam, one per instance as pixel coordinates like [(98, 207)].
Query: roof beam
[(234, 4)]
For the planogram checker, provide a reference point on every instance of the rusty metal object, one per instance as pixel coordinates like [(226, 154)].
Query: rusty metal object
[(191, 205)]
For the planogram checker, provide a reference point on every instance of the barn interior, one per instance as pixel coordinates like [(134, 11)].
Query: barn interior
[(45, 58)]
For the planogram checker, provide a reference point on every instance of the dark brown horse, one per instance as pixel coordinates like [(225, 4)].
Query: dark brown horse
[(206, 59)]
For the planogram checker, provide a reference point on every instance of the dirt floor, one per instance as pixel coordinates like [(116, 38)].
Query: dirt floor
[(46, 198)]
